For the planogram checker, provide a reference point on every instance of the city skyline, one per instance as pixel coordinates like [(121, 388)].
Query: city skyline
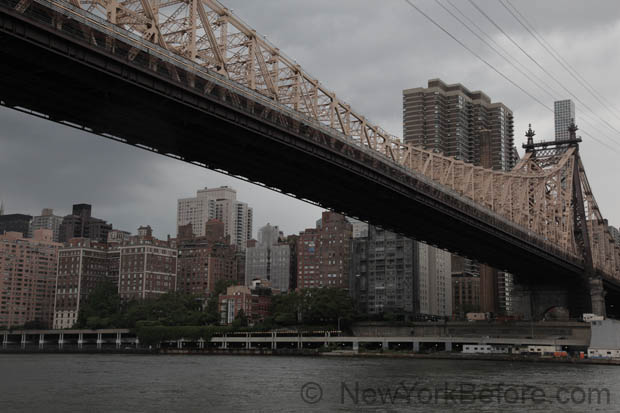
[(128, 185)]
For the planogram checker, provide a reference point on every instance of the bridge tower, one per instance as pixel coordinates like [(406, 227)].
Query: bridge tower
[(584, 295)]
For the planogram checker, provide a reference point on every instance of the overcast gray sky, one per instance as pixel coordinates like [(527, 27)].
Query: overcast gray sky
[(367, 51)]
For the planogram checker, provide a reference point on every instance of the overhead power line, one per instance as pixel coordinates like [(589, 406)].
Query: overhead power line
[(478, 56), (492, 47), (585, 105), (544, 88), (558, 57), (530, 74), (471, 51)]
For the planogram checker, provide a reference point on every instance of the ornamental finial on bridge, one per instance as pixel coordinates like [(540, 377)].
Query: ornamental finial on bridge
[(572, 129), (530, 135)]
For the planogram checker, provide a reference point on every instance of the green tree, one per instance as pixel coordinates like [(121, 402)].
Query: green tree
[(101, 308), (241, 320), (313, 306), (170, 309)]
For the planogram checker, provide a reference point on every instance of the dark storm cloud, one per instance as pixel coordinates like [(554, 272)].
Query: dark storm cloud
[(367, 51)]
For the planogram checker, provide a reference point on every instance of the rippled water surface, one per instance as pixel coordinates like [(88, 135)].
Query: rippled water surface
[(134, 383)]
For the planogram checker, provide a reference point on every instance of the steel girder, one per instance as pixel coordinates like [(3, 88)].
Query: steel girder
[(539, 194)]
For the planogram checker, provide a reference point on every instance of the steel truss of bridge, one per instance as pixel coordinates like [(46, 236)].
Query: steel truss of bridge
[(188, 79)]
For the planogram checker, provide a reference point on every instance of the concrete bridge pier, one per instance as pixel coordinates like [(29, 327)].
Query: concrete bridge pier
[(41, 340), (564, 298), (356, 346), (274, 344), (416, 346), (532, 302), (118, 340), (61, 340), (80, 340), (5, 339), (448, 346), (99, 341), (23, 340), (597, 296)]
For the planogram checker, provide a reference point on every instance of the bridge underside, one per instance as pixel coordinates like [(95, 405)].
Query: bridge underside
[(69, 81)]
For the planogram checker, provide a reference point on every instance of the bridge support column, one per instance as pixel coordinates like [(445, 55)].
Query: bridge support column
[(99, 341), (385, 345), (5, 339), (416, 346), (61, 340), (80, 340), (41, 340), (248, 341), (356, 346), (224, 343), (532, 301), (23, 340), (448, 346), (300, 344), (119, 341), (201, 343), (597, 296), (326, 343), (180, 343), (274, 343)]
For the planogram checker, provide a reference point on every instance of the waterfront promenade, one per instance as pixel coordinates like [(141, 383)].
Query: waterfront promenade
[(416, 337)]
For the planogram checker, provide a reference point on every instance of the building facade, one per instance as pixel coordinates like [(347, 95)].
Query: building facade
[(81, 224), (466, 294), (47, 220), (147, 269), (269, 259), (433, 274), (221, 204), (27, 278), (82, 265), (15, 223), (383, 273), (254, 303), (323, 253), (360, 228), (237, 298), (564, 114), (454, 121), (202, 261)]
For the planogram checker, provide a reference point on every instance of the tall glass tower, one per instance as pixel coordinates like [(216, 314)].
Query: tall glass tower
[(564, 115)]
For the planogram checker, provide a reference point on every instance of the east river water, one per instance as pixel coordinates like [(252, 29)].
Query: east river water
[(136, 383)]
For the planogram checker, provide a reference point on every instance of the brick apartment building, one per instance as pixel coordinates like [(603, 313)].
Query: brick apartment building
[(27, 278), (255, 306), (148, 266), (82, 265), (323, 253), (204, 260)]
